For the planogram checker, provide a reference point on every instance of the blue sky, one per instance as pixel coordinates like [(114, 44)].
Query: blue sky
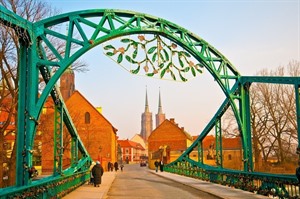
[(253, 35)]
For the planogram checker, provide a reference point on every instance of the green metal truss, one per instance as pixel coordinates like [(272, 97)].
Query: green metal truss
[(89, 28)]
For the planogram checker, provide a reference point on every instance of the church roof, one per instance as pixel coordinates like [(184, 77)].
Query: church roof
[(77, 98), (171, 122)]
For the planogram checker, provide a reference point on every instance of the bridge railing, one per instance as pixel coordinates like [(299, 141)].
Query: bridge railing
[(48, 187), (282, 186)]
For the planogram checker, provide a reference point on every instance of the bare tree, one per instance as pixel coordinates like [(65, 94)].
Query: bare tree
[(273, 117), (31, 10)]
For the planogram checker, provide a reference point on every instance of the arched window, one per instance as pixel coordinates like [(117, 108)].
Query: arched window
[(87, 118)]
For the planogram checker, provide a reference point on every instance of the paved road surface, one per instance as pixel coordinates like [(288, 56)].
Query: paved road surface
[(138, 182)]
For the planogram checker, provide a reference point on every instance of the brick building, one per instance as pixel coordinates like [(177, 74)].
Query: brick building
[(167, 142), (231, 152), (98, 135), (132, 152)]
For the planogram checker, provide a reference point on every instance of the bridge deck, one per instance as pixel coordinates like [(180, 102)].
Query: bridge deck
[(91, 192)]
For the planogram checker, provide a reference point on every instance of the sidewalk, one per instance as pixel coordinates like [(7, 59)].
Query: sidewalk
[(87, 191), (212, 188), (90, 192)]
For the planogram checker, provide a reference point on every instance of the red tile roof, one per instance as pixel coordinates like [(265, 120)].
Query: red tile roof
[(131, 144), (227, 143)]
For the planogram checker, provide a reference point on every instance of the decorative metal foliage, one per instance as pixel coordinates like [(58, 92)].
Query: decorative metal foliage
[(154, 58)]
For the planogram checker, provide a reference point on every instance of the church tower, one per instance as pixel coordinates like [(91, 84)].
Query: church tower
[(67, 84), (147, 123), (160, 116)]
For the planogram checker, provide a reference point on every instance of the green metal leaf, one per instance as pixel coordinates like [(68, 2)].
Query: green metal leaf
[(134, 54), (163, 72), (136, 70), (182, 78), (185, 69), (154, 57), (186, 54), (108, 47), (199, 65), (109, 53), (161, 65), (150, 74), (127, 47), (151, 50), (199, 70), (128, 58), (166, 54), (173, 75), (120, 58), (169, 65), (180, 62), (193, 71), (126, 40), (161, 57)]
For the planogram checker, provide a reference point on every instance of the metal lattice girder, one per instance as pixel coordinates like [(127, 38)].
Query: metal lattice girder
[(38, 54), (16, 22), (30, 103), (58, 140), (105, 25), (218, 132)]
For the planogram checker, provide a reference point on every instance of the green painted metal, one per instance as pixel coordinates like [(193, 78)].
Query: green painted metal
[(200, 152), (218, 132), (159, 61), (246, 136), (21, 118), (297, 98), (58, 141)]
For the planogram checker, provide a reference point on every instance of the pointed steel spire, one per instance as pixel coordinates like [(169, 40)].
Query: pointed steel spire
[(146, 102), (159, 104)]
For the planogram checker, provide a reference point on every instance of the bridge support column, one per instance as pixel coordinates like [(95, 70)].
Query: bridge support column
[(246, 127), (297, 98), (27, 115)]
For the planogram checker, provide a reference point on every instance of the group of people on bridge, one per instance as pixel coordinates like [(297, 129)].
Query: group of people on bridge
[(111, 166)]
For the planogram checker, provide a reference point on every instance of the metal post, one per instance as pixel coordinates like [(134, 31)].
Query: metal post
[(21, 116), (246, 127), (298, 116), (218, 131)]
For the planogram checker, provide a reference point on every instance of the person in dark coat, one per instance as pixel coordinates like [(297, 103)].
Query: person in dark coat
[(108, 166), (116, 165), (97, 173), (161, 166), (156, 164)]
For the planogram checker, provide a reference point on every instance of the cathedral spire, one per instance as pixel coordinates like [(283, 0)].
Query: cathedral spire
[(147, 123), (146, 102), (160, 116), (159, 104)]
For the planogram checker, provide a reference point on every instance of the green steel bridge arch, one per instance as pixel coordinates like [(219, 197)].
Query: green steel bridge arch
[(40, 57)]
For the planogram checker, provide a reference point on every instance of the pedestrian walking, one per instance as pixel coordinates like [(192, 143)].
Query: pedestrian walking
[(122, 166), (156, 164), (161, 166), (116, 165), (108, 166), (97, 173), (91, 182), (111, 166)]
